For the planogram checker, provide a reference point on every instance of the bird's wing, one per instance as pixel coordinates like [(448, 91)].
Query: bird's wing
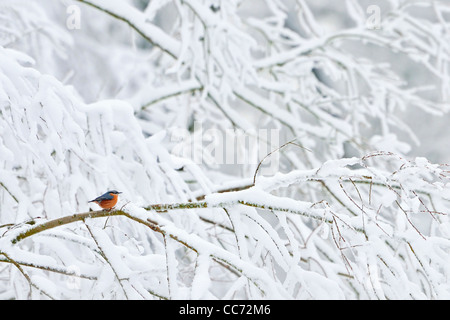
[(105, 196)]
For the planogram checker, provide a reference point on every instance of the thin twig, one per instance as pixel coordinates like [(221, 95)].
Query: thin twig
[(270, 153), (30, 282)]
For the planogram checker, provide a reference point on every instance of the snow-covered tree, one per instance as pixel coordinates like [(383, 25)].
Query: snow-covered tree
[(265, 149)]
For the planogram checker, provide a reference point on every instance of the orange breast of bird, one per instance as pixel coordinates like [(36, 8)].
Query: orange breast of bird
[(108, 204)]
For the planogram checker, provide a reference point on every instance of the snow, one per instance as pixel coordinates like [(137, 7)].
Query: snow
[(355, 206)]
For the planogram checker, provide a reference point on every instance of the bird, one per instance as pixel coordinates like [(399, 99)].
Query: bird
[(107, 200)]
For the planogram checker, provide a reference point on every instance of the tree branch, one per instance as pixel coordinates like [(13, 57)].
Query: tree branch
[(137, 21)]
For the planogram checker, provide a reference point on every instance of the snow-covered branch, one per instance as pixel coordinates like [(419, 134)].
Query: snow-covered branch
[(185, 107)]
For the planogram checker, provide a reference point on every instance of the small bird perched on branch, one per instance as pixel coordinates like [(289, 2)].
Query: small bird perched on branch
[(107, 200)]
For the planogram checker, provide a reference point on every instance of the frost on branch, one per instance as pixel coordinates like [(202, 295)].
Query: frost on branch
[(337, 219)]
